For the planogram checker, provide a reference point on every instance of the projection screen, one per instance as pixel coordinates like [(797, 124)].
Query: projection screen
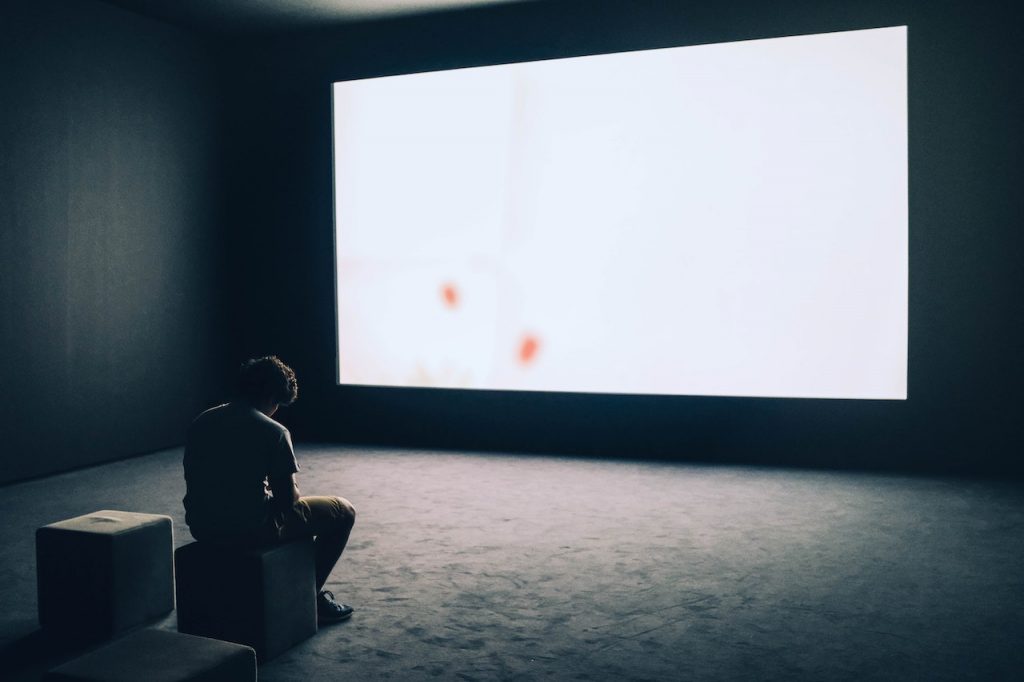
[(726, 220)]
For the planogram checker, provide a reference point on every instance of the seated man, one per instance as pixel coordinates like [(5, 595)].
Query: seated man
[(240, 478)]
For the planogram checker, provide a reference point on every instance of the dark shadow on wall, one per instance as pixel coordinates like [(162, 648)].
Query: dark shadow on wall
[(112, 304)]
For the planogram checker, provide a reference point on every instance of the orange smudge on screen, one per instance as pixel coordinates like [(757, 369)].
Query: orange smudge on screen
[(528, 348), (450, 294)]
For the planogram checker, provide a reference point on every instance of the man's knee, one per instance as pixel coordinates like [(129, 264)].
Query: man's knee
[(345, 513)]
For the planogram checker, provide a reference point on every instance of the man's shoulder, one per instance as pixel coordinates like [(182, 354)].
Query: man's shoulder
[(211, 413), (239, 416), (270, 424)]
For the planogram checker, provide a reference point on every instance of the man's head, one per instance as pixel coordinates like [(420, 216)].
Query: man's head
[(266, 383)]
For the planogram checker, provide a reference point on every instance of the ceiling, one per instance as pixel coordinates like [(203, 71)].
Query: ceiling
[(243, 16)]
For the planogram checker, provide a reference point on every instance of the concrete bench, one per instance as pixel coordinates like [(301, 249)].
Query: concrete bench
[(104, 573), (263, 597), (162, 656)]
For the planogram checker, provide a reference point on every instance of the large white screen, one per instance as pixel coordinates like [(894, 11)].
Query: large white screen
[(712, 220)]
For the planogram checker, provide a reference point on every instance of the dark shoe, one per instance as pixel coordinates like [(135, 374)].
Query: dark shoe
[(330, 611)]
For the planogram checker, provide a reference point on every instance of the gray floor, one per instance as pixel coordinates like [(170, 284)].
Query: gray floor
[(487, 567)]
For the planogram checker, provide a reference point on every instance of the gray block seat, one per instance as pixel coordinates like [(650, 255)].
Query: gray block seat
[(162, 656), (104, 573), (263, 597)]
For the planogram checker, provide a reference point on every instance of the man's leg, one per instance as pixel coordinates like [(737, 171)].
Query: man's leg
[(335, 517), (329, 520)]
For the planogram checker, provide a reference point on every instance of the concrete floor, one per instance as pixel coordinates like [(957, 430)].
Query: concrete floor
[(489, 567)]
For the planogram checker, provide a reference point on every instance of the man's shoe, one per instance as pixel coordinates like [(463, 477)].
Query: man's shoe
[(330, 611)]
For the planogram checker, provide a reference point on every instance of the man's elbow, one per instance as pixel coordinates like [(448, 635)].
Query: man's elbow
[(284, 501), (285, 493)]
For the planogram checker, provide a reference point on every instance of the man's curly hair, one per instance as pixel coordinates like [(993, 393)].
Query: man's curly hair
[(267, 378)]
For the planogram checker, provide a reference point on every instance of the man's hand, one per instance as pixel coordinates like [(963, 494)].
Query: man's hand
[(285, 490)]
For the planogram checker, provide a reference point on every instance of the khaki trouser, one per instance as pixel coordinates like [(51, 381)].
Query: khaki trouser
[(328, 520)]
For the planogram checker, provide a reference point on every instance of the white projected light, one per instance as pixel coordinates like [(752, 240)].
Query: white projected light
[(712, 220)]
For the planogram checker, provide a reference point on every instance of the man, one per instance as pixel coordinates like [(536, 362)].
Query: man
[(240, 478)]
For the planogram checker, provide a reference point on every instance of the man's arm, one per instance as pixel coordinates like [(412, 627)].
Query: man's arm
[(285, 490)]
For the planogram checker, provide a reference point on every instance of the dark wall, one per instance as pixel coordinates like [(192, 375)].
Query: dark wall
[(966, 331), (111, 306)]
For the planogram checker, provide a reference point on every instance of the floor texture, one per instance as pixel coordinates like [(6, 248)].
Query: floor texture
[(490, 567)]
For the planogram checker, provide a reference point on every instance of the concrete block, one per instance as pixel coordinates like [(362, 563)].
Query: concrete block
[(104, 573)]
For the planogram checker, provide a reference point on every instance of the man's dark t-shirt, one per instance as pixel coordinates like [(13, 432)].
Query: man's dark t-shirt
[(231, 451)]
